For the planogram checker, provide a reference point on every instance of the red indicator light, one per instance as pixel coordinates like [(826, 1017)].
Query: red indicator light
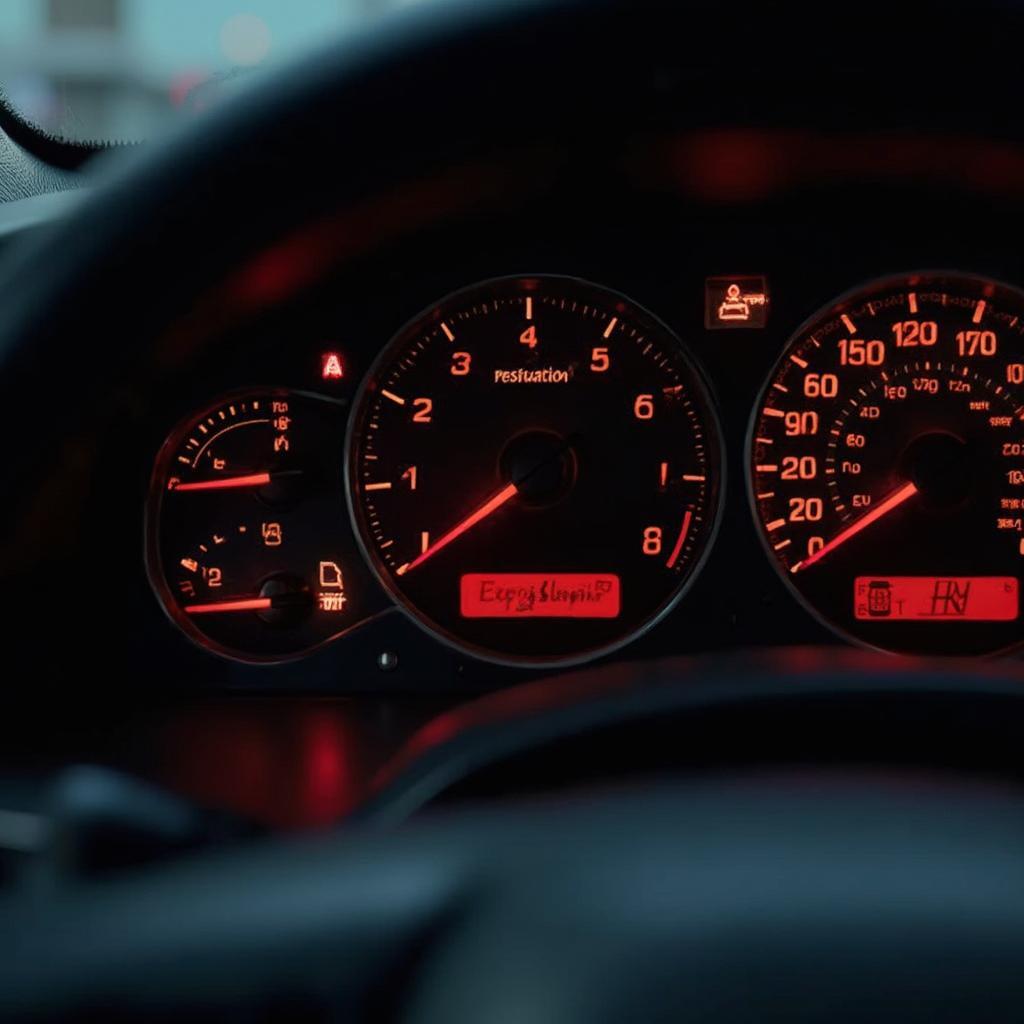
[(928, 598), (331, 367), (735, 302), (538, 595), (331, 596)]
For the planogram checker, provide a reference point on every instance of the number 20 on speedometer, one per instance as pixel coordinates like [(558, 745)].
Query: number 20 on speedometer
[(886, 462)]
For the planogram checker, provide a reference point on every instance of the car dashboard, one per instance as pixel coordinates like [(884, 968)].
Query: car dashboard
[(316, 362), (570, 455), (706, 383)]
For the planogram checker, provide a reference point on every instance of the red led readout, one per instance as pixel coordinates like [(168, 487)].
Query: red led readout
[(927, 598), (538, 595)]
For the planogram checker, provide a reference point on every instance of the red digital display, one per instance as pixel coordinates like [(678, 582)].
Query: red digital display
[(931, 598), (539, 595)]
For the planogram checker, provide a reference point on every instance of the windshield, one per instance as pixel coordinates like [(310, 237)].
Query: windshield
[(122, 69)]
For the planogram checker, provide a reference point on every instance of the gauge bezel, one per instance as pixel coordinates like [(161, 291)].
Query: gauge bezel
[(836, 305), (152, 511), (704, 392)]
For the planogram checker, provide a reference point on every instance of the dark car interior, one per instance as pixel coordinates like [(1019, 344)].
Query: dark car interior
[(519, 516)]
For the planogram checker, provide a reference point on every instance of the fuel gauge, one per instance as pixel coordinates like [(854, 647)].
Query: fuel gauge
[(248, 543)]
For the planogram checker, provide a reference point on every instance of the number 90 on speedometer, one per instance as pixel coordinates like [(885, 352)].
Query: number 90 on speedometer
[(886, 464)]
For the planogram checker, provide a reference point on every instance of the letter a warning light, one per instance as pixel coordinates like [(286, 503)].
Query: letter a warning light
[(331, 368)]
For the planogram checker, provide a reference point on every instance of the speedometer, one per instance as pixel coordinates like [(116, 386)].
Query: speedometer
[(887, 464), (535, 469)]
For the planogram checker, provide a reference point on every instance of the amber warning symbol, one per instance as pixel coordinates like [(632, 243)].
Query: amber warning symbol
[(331, 595), (331, 367), (735, 302)]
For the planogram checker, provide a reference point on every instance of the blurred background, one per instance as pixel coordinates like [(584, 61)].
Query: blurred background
[(122, 69)]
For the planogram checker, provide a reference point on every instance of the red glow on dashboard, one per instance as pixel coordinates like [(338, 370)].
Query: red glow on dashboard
[(538, 595), (327, 784), (295, 767), (927, 598), (741, 165)]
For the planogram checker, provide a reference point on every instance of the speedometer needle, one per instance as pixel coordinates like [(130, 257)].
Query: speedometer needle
[(881, 509), (491, 505)]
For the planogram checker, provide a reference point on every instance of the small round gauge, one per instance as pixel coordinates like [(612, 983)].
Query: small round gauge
[(535, 469), (887, 464), (247, 547)]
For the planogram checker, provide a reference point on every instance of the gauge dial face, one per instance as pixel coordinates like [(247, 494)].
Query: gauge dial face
[(247, 547), (887, 464), (534, 469)]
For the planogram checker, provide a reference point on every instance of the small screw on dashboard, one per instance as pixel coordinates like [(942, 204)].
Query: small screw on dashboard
[(387, 661)]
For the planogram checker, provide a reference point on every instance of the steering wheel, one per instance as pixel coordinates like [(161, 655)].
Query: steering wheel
[(632, 906), (716, 903)]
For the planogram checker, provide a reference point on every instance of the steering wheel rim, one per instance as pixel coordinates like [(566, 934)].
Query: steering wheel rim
[(767, 901)]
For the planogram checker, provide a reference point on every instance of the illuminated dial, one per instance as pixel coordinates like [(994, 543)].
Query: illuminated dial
[(534, 469), (247, 546), (887, 464)]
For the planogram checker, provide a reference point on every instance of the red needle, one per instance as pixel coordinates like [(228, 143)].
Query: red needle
[(250, 604), (224, 483), (489, 506), (883, 508), (680, 540)]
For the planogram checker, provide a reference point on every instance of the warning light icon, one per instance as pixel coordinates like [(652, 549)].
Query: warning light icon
[(735, 302), (331, 596), (330, 576), (733, 308), (331, 367)]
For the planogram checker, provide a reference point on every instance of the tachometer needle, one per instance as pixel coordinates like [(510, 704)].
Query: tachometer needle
[(491, 505), (881, 509), (224, 483)]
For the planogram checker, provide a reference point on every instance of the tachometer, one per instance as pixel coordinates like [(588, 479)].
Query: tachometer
[(535, 469), (887, 464)]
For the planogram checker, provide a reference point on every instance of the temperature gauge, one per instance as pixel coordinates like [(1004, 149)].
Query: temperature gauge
[(247, 543)]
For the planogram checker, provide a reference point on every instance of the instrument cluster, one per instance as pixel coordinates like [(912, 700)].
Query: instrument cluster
[(534, 470)]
